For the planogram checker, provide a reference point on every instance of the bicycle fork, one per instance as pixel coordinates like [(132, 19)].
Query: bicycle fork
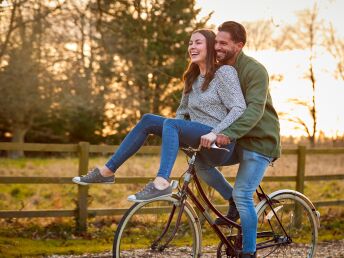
[(156, 242), (181, 204)]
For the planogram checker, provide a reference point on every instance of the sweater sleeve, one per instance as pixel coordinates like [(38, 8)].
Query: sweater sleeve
[(230, 93), (182, 110), (257, 81)]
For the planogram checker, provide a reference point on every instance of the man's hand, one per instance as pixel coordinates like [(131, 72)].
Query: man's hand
[(222, 139), (208, 139)]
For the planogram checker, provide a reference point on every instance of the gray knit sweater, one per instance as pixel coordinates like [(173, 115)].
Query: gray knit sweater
[(219, 106)]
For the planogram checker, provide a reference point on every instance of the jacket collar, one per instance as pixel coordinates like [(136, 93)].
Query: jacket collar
[(238, 59)]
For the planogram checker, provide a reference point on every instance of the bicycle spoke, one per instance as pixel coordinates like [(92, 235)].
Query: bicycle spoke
[(144, 231), (298, 223)]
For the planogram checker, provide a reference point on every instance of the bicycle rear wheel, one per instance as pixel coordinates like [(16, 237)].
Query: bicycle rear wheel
[(145, 222), (298, 237)]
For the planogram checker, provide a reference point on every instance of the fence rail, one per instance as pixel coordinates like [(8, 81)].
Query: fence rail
[(83, 149)]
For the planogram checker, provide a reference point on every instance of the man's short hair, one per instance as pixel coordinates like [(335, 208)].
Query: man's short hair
[(236, 30)]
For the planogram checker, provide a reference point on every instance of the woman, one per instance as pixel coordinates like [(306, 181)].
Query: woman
[(212, 99)]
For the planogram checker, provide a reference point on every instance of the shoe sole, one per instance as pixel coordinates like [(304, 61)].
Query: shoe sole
[(224, 223), (152, 199), (84, 183)]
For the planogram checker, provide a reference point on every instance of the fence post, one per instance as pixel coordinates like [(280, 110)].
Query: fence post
[(301, 168), (300, 180), (81, 216)]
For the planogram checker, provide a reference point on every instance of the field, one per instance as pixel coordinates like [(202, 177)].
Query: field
[(56, 235)]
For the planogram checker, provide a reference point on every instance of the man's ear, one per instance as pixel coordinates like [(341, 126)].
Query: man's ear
[(240, 45)]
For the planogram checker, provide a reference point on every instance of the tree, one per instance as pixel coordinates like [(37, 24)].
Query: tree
[(305, 35), (82, 98), (259, 34), (335, 46), (24, 79), (144, 54)]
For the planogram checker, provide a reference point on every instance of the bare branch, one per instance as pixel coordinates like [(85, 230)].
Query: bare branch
[(9, 32)]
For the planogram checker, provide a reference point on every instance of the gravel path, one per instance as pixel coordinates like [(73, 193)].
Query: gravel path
[(334, 249)]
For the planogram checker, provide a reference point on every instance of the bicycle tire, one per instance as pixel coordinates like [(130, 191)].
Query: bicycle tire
[(300, 220), (139, 228)]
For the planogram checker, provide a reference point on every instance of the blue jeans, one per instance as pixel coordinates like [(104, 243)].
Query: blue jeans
[(174, 133), (252, 166)]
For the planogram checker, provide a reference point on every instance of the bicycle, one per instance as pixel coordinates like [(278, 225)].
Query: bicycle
[(287, 224)]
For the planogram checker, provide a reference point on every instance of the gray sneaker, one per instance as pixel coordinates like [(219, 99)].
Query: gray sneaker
[(150, 193), (93, 177)]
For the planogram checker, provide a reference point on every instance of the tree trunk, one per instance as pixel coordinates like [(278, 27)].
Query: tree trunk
[(18, 137)]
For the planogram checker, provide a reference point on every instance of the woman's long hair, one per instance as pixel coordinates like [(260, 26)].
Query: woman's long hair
[(192, 72)]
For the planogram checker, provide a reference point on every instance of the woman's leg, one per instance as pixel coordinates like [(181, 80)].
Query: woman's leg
[(149, 124), (176, 133)]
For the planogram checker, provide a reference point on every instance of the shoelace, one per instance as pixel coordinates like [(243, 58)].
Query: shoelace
[(146, 189), (88, 173)]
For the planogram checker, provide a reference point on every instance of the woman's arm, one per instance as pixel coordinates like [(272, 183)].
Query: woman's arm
[(182, 110), (231, 95)]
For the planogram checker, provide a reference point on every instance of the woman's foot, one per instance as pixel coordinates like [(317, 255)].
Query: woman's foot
[(151, 192), (95, 176), (161, 183)]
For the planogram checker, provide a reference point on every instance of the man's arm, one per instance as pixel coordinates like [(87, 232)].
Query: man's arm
[(255, 94)]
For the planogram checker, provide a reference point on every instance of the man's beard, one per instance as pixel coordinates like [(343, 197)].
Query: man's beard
[(228, 56)]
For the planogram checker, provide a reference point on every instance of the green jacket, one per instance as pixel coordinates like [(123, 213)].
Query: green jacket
[(258, 128)]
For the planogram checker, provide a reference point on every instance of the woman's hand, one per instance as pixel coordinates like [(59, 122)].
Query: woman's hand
[(208, 139)]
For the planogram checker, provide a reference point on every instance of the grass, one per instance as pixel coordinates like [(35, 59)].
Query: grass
[(42, 237), (38, 238)]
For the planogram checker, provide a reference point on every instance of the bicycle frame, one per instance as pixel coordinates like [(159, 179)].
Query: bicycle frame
[(263, 245), (186, 192)]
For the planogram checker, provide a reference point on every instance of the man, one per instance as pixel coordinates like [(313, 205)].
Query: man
[(256, 132)]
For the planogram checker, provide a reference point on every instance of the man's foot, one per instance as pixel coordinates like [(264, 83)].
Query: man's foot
[(94, 177), (248, 255), (232, 214), (150, 192)]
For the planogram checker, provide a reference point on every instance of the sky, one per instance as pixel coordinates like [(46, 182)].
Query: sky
[(292, 64), (277, 10)]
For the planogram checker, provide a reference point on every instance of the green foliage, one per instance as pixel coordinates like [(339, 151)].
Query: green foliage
[(146, 46), (70, 69)]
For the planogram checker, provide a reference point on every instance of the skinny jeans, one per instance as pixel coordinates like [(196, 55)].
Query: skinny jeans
[(175, 133), (252, 166)]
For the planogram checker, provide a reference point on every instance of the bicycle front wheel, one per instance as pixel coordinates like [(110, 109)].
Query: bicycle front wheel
[(299, 234), (146, 226)]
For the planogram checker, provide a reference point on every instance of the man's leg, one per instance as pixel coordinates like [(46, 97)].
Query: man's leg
[(213, 177), (251, 171), (208, 172)]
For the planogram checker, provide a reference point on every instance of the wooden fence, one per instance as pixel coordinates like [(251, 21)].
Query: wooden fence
[(83, 149)]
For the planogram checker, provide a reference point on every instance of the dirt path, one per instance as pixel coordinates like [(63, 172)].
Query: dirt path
[(334, 249)]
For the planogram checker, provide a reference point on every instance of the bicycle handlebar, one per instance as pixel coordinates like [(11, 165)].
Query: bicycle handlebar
[(213, 146)]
